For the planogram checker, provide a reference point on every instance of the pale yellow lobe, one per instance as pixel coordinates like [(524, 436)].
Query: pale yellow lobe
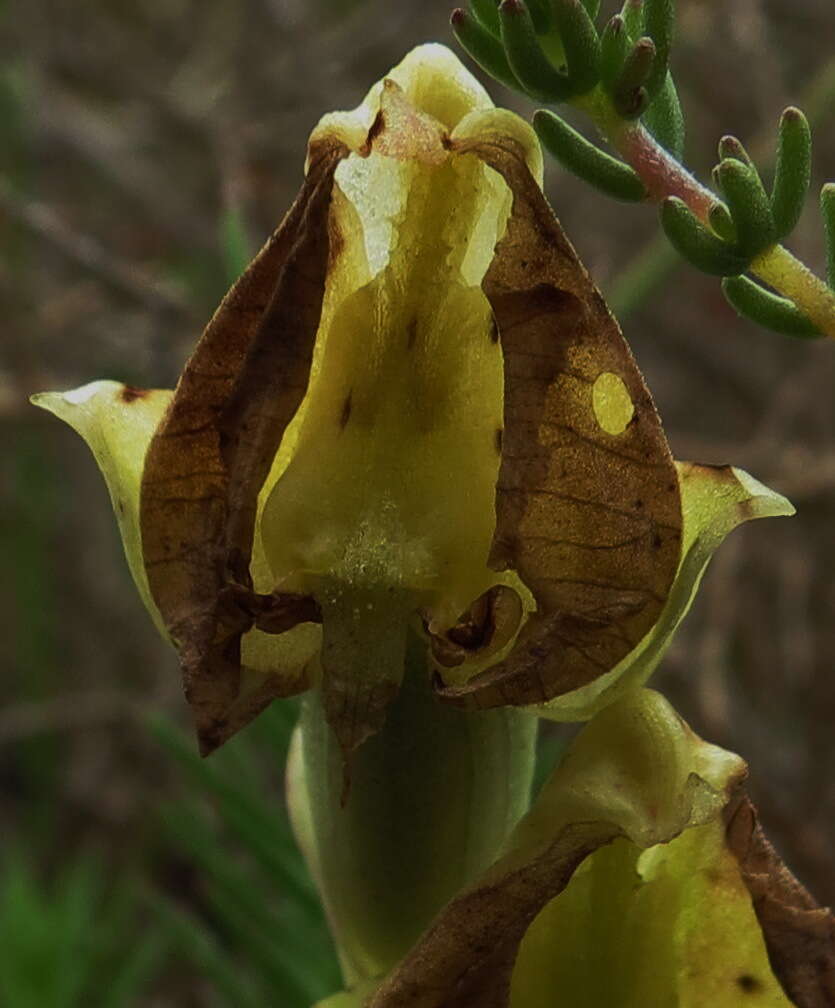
[(661, 916), (392, 479), (636, 765), (612, 404), (390, 483), (117, 422)]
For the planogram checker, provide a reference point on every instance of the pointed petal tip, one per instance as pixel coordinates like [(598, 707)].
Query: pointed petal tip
[(764, 502), (61, 403)]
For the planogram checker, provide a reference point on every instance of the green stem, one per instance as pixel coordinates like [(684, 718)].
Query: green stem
[(432, 797), (794, 280), (664, 176)]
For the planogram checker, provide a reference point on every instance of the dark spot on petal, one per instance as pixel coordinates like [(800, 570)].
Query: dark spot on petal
[(748, 984), (345, 415), (499, 439), (120, 506), (657, 541), (411, 333), (376, 129), (638, 505), (130, 394)]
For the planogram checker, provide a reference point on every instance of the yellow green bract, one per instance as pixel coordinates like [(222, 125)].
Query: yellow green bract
[(616, 890)]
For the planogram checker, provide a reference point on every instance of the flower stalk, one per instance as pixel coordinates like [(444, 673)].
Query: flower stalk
[(621, 80), (432, 798)]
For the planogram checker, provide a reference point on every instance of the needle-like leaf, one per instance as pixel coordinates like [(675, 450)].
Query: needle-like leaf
[(482, 47), (696, 244), (583, 158), (749, 205), (792, 171), (535, 72), (754, 302)]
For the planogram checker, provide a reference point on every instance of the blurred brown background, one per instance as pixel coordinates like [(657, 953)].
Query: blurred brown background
[(145, 147)]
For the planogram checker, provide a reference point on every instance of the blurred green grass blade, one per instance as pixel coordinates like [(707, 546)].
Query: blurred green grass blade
[(197, 836), (207, 953), (234, 242), (284, 974), (266, 834), (125, 986)]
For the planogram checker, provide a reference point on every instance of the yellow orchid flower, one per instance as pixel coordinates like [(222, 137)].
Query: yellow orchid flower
[(412, 435), (412, 406)]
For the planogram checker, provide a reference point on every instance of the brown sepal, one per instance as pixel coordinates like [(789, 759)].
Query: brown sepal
[(590, 520), (799, 934), (211, 454), (466, 958)]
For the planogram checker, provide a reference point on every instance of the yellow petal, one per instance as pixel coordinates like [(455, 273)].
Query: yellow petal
[(386, 502), (433, 80), (672, 925), (117, 422)]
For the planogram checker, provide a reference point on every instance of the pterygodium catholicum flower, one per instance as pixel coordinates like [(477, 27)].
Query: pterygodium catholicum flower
[(412, 435)]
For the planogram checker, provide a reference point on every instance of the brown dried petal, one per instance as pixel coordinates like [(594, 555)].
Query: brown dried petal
[(587, 503), (799, 934), (213, 449), (466, 957)]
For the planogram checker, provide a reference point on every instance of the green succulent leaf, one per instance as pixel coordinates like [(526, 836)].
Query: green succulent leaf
[(629, 93), (749, 206), (541, 14), (583, 158), (659, 21), (487, 13), (665, 120), (528, 62), (632, 13), (792, 172), (722, 222), (828, 212), (753, 302), (483, 48), (580, 42), (614, 48), (700, 247), (731, 147)]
